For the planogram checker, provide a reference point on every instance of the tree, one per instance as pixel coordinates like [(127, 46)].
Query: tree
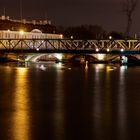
[(116, 35), (85, 32), (129, 7)]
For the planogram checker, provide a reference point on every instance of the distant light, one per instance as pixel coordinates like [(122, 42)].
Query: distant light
[(100, 56), (110, 37), (21, 32), (61, 36), (97, 50), (107, 49), (122, 50), (71, 37), (37, 49)]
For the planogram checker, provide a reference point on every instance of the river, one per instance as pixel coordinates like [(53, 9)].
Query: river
[(54, 101)]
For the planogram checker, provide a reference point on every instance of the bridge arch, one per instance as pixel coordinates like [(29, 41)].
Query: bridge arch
[(133, 59), (95, 57), (72, 57), (91, 58), (78, 57), (43, 57)]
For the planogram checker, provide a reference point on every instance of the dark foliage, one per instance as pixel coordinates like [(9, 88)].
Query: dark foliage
[(83, 32), (116, 35)]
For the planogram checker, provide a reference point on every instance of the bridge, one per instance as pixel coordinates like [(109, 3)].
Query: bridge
[(38, 45)]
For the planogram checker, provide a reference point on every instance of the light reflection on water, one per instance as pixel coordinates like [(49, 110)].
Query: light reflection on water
[(21, 124), (122, 113), (97, 108), (59, 113), (66, 102)]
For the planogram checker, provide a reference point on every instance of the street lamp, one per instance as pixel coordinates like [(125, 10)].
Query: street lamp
[(21, 32), (107, 49), (71, 37), (122, 50), (97, 50), (37, 49), (110, 37)]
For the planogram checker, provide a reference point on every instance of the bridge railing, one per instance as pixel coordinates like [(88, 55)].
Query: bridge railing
[(68, 44)]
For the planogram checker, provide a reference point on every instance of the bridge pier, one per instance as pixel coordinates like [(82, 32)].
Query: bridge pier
[(20, 58)]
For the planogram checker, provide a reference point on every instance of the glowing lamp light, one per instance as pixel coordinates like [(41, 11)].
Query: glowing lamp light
[(71, 37), (100, 56), (61, 36), (122, 50), (107, 49), (97, 50), (21, 32), (37, 49), (110, 37)]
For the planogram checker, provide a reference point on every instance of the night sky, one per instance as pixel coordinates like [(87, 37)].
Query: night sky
[(106, 13)]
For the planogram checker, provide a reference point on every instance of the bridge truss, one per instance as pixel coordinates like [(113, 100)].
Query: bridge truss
[(68, 45)]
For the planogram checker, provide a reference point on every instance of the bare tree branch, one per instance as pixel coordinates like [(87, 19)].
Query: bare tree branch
[(129, 6)]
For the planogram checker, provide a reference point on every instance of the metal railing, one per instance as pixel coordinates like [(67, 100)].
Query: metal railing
[(58, 45)]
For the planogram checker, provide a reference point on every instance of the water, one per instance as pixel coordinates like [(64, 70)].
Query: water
[(69, 102)]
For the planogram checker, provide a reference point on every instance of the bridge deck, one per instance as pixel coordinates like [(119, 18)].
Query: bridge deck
[(39, 45)]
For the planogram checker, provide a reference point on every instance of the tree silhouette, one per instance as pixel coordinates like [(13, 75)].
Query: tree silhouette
[(129, 7), (85, 32)]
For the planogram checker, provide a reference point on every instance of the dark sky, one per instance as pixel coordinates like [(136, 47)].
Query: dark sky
[(107, 13)]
